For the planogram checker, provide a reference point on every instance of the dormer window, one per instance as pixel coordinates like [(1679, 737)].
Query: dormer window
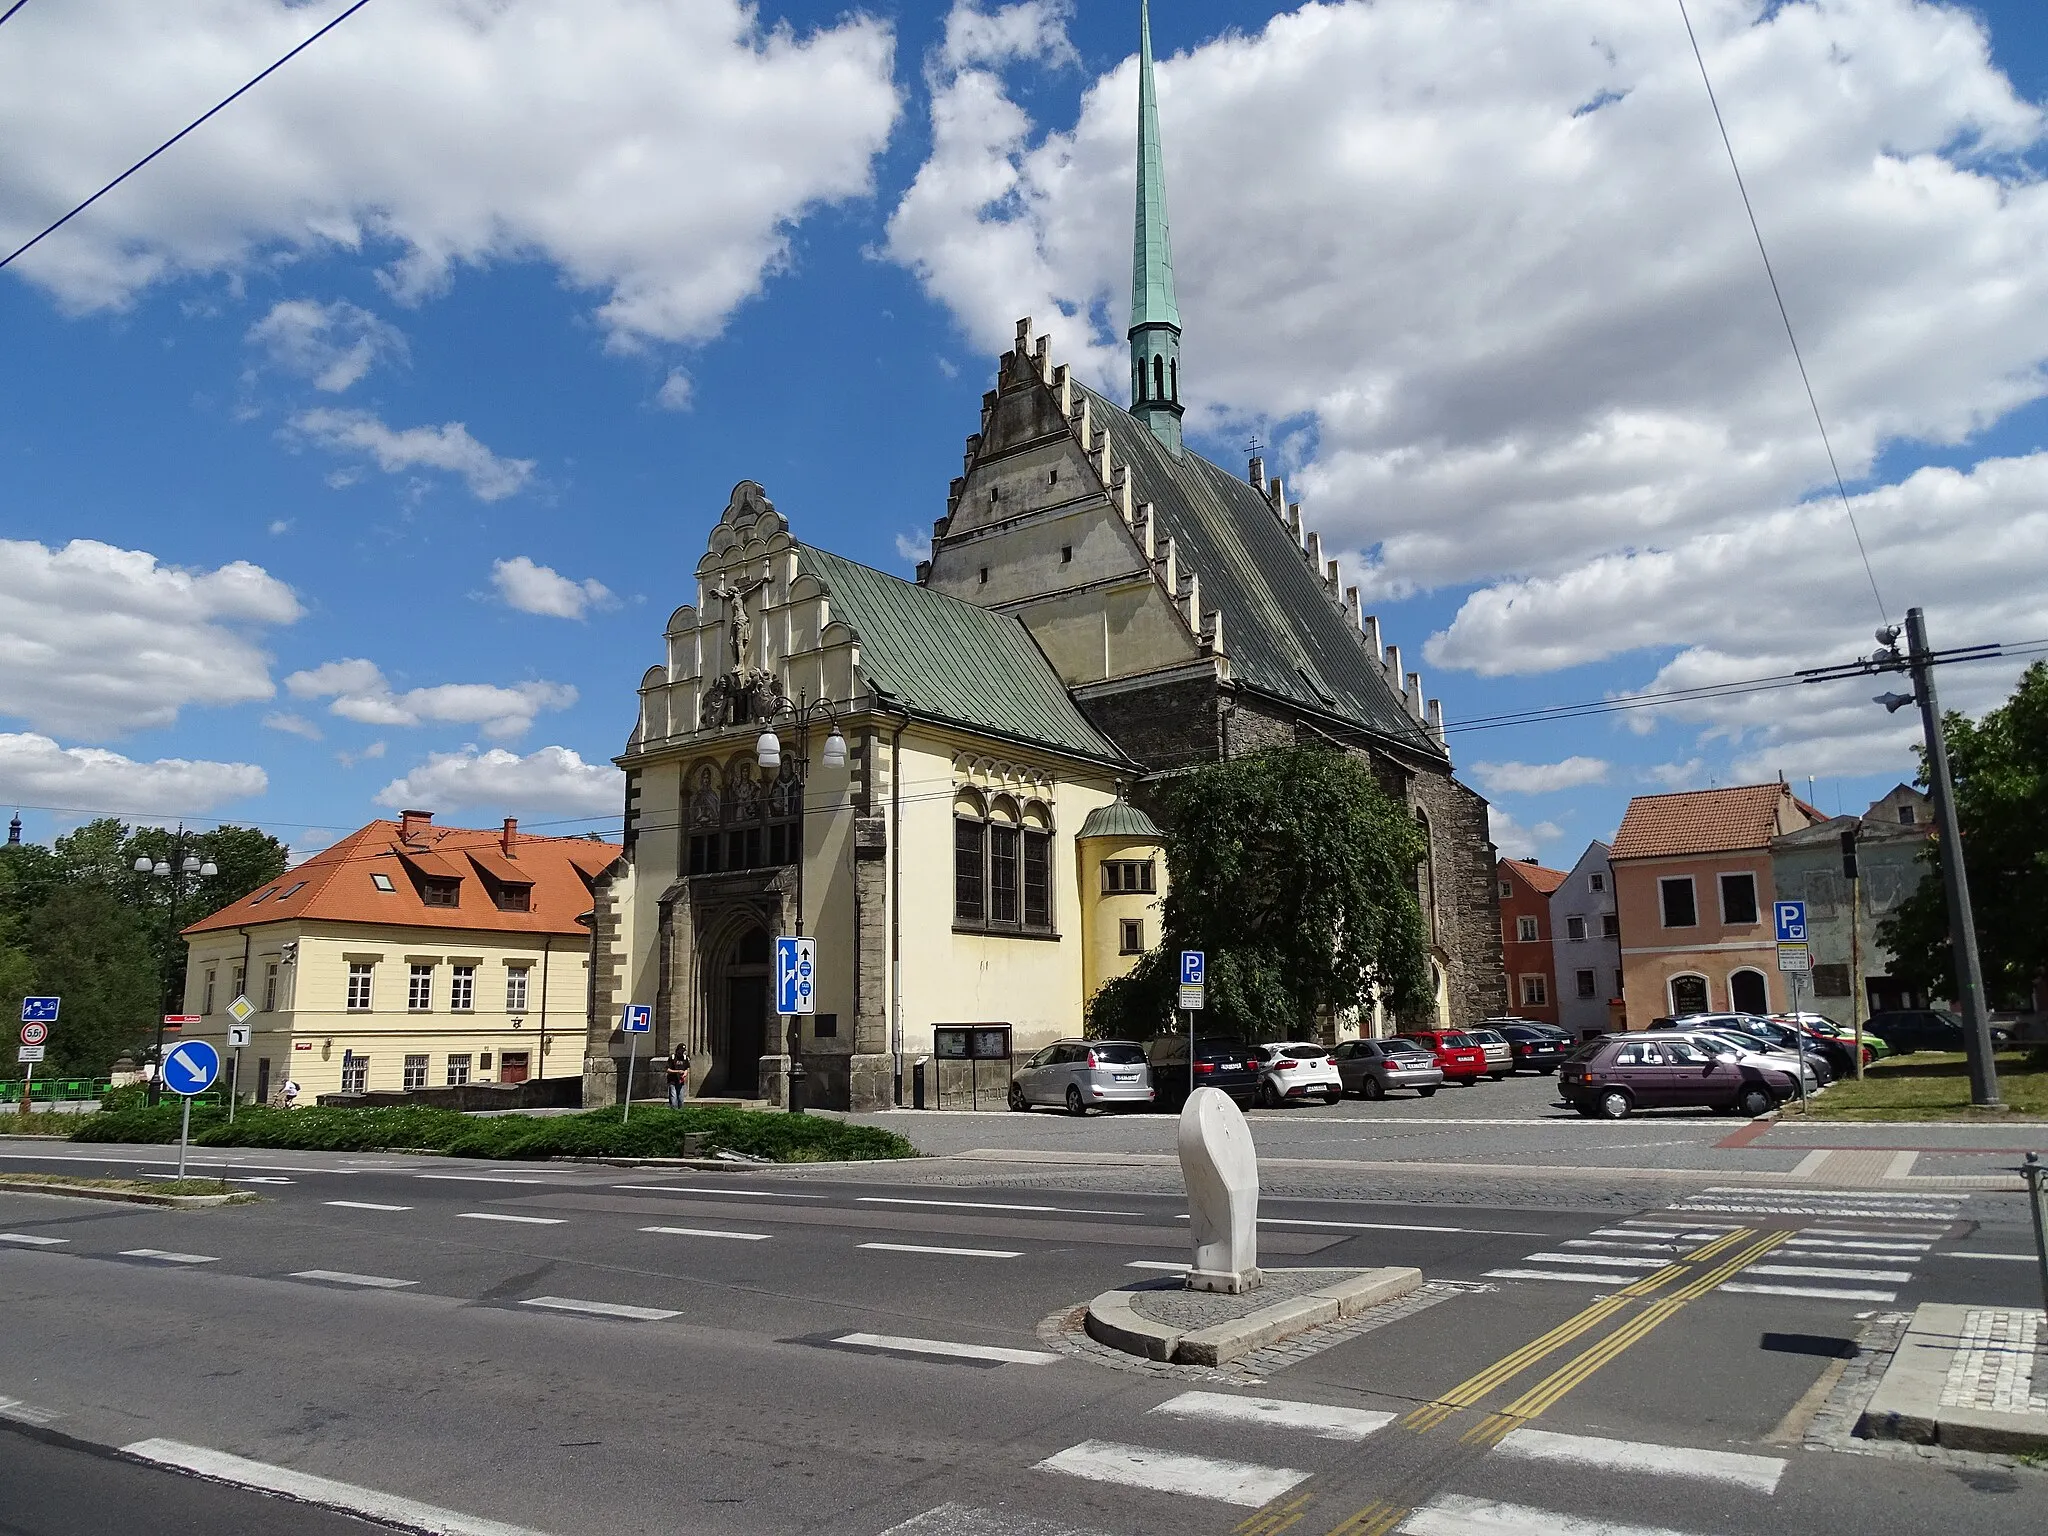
[(514, 898), (441, 893)]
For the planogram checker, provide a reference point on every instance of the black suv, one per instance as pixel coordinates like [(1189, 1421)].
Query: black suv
[(1220, 1062), (1924, 1029)]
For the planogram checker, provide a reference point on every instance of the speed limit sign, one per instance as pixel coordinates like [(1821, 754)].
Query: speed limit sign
[(34, 1034)]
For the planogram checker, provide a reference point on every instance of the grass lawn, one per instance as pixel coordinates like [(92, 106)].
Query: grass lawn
[(57, 1183), (1934, 1086)]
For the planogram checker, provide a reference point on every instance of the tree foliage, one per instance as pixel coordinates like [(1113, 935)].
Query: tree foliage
[(1296, 873), (2000, 769)]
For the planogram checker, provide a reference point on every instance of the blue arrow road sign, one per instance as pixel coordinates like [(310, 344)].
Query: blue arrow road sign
[(796, 979), (1791, 916), (639, 1018), (1193, 964), (39, 1010), (192, 1067)]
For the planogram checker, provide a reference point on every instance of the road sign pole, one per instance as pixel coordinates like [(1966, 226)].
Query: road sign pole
[(29, 1077), (234, 1084), (632, 1050), (184, 1130)]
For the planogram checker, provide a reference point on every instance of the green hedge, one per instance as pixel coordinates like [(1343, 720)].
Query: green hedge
[(650, 1132)]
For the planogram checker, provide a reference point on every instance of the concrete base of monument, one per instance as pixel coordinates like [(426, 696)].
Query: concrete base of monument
[(1164, 1320)]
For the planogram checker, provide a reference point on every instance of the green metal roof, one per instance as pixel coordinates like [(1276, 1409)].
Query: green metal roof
[(1152, 300), (1281, 632), (949, 661), (1120, 819)]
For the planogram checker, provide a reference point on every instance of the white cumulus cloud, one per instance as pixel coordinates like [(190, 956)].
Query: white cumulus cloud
[(677, 393), (550, 779), (1538, 778), (35, 770), (360, 692), (447, 447), (98, 640), (540, 589), (331, 345), (293, 725), (1512, 840), (655, 154)]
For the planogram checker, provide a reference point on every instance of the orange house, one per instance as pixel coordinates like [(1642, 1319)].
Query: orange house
[(1693, 889), (1526, 951)]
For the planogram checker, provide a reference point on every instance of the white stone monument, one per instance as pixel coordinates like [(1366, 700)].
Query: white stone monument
[(1222, 1173)]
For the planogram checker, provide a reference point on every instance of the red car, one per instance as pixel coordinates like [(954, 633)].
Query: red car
[(1462, 1058)]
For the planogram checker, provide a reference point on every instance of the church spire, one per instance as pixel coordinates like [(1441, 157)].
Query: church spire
[(1155, 316)]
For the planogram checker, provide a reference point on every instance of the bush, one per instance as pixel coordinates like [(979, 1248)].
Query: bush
[(650, 1132)]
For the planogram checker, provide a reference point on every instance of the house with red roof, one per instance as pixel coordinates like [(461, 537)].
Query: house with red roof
[(1524, 888)]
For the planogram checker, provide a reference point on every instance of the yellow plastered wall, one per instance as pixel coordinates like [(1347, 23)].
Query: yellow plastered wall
[(1105, 912), (311, 1028)]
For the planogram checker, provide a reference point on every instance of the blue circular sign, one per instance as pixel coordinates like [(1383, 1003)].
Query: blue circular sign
[(192, 1067)]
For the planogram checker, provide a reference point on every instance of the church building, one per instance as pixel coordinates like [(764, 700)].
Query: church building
[(943, 781)]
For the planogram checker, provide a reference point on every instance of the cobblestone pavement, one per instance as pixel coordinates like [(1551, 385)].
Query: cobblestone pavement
[(1179, 1307)]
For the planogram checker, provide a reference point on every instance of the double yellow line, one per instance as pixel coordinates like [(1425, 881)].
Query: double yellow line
[(1271, 1519)]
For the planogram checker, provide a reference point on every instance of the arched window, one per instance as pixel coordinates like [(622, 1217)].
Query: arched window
[(1425, 875), (1137, 381), (1158, 376), (786, 817), (1173, 368), (704, 810), (743, 815), (1688, 995), (1004, 882), (1037, 867), (1002, 864), (970, 859), (1749, 992)]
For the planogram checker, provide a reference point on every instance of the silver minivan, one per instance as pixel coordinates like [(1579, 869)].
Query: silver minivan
[(1080, 1075)]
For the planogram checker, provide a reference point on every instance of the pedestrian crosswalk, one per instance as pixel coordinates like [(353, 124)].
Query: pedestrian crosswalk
[(1845, 1245)]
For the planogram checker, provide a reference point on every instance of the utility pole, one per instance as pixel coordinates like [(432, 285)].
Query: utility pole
[(1962, 926)]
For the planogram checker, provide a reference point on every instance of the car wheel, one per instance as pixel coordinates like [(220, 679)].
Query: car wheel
[(1615, 1105), (1427, 1093), (1266, 1097), (1585, 1111), (1546, 1071), (1017, 1099), (1373, 1088), (1754, 1101), (1496, 1076), (1331, 1098), (1076, 1105)]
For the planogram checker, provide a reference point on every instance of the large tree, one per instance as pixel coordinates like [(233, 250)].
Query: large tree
[(1296, 873), (2000, 768), (85, 946)]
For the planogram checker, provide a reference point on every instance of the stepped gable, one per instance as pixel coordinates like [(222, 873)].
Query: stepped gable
[(1289, 634)]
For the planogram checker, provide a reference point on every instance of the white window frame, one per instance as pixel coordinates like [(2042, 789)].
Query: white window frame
[(357, 1067), (415, 1070), (1749, 970), (518, 988), (361, 998), (459, 1062), (1536, 983), (1755, 897), (1588, 982), (1663, 908), (206, 997), (1596, 881), (462, 989), (419, 988), (1671, 992), (270, 986), (1610, 921), (1528, 930), (1575, 928)]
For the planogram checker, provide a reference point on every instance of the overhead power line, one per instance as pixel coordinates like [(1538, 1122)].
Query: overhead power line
[(174, 138), (1783, 313), (8, 15)]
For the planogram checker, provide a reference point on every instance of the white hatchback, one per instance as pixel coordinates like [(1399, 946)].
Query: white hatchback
[(1291, 1071)]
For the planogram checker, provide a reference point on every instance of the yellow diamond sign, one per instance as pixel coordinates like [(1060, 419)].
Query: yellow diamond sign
[(240, 1009)]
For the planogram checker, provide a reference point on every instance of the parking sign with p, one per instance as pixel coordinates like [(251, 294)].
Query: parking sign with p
[(1791, 920)]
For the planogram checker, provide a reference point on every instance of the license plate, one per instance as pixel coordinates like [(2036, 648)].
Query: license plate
[(1125, 1077)]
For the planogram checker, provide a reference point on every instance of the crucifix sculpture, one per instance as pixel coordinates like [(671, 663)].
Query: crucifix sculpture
[(739, 631)]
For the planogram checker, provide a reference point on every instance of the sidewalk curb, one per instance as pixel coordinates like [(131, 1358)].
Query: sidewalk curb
[(123, 1196), (1915, 1400), (1113, 1319)]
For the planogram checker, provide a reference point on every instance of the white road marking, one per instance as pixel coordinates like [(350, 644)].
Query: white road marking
[(1913, 1195), (1317, 1419), (1690, 1226), (601, 1308), (947, 1350), (1611, 1260), (1582, 1276), (367, 1205), (1870, 1231), (1810, 1164), (991, 1205), (1932, 1217), (951, 1253), (1381, 1226), (163, 1256), (695, 1189), (1826, 1272), (343, 1277), (1180, 1269), (480, 1178), (1955, 1253), (387, 1508), (1758, 1472), (32, 1239), (27, 1413), (1819, 1292), (532, 1221), (965, 1520), (1859, 1245), (1609, 1242), (1901, 1165), (1206, 1477), (744, 1237), (1455, 1514), (254, 1180)]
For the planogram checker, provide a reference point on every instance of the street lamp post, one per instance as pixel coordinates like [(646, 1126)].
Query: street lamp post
[(768, 753), (176, 869)]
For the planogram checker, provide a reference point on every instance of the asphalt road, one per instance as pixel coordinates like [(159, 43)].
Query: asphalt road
[(584, 1349)]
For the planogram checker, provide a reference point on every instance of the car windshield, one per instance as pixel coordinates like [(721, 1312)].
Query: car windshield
[(1455, 1040), (1117, 1053), (1486, 1036), (1586, 1051), (1305, 1052)]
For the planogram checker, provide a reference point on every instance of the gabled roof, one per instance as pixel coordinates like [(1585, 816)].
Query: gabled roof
[(1744, 816), (953, 663), (1535, 876), (335, 884), (1283, 634)]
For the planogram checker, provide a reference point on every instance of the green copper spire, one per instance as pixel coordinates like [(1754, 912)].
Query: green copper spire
[(1155, 316)]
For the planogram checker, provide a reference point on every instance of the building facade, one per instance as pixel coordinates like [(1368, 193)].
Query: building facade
[(405, 956), (1852, 871), (1693, 887), (1525, 888), (1585, 929)]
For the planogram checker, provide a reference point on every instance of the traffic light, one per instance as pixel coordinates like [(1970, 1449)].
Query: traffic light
[(1849, 854)]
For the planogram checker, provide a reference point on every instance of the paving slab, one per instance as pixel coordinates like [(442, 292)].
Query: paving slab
[(1968, 1378), (1161, 1320)]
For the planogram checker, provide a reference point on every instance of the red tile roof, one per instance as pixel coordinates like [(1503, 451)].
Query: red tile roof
[(1708, 821), (335, 884), (1543, 880)]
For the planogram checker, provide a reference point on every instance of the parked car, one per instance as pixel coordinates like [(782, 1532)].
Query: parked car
[(1613, 1077), (1824, 1028), (1081, 1075), (1293, 1071), (1750, 1049), (1771, 1037), (1500, 1056), (1536, 1048), (1460, 1059), (1220, 1062), (1925, 1029), (1369, 1068)]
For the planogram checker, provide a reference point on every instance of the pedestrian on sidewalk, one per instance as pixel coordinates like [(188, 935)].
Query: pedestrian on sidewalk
[(678, 1077)]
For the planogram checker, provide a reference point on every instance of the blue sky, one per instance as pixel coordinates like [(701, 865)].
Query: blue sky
[(1475, 273)]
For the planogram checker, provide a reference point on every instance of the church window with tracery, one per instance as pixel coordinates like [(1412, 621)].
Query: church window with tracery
[(1002, 865)]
